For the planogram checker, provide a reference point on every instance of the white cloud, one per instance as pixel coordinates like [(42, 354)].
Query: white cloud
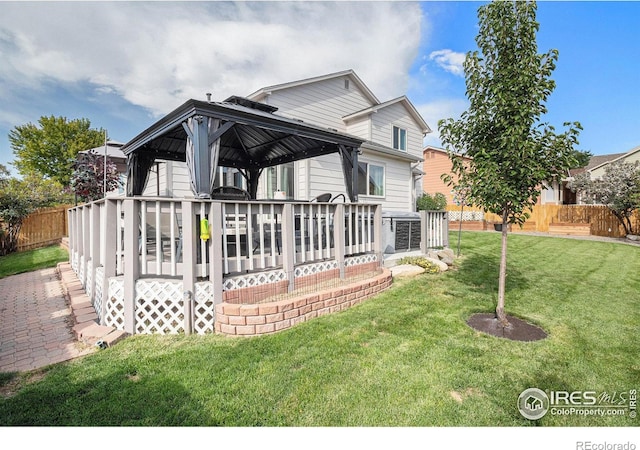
[(435, 111), (449, 60), (158, 54)]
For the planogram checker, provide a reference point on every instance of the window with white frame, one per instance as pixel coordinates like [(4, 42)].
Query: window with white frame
[(280, 178), (399, 138), (228, 176), (370, 179)]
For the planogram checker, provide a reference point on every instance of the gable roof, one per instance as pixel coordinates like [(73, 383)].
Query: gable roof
[(402, 100), (261, 93)]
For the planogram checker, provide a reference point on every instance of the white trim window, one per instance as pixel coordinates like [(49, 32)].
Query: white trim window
[(281, 178), (399, 138), (370, 180)]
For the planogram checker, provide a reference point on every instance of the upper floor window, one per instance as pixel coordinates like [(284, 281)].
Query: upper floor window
[(399, 138)]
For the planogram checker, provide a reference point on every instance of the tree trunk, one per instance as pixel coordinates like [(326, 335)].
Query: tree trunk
[(500, 314)]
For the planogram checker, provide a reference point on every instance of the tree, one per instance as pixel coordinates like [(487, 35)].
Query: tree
[(428, 202), (50, 149), (18, 199), (619, 189), (509, 151), (88, 179)]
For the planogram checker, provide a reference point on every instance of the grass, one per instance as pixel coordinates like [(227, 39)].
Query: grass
[(404, 358), (41, 258)]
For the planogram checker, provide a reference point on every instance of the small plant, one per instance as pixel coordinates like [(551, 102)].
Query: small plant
[(420, 261), (428, 202)]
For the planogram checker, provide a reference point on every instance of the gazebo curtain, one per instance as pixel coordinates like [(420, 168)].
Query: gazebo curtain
[(349, 162), (202, 153), (138, 166)]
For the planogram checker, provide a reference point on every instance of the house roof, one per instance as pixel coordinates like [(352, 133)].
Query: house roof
[(261, 93), (113, 150), (402, 100), (369, 145), (598, 161), (257, 138)]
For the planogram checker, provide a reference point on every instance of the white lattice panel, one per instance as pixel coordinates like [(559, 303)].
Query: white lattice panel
[(81, 273), (204, 309), (361, 259), (114, 314), (97, 298), (466, 215), (74, 262), (159, 307), (311, 269), (89, 283), (255, 279)]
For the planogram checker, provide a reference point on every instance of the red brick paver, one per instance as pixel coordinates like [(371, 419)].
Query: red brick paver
[(35, 322)]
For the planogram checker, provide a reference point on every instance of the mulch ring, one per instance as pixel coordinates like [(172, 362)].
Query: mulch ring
[(519, 330)]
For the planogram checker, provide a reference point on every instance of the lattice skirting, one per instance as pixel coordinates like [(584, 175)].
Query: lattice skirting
[(81, 273), (312, 269), (254, 279), (74, 262), (114, 307), (97, 298), (88, 287), (159, 306), (361, 259)]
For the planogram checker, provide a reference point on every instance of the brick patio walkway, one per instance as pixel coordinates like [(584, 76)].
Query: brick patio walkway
[(35, 322)]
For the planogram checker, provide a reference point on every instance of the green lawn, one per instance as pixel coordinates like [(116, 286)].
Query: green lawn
[(404, 358), (41, 258)]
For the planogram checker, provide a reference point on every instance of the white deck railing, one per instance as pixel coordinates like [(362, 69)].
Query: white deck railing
[(168, 238)]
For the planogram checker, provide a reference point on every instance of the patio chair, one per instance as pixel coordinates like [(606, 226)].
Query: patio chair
[(230, 193), (322, 198)]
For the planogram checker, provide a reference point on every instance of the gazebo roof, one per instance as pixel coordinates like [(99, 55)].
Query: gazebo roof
[(254, 137)]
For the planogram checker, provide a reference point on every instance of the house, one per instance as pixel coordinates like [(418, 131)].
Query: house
[(597, 168), (389, 165), (437, 163), (115, 155)]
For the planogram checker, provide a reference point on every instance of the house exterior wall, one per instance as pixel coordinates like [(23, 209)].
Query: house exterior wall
[(322, 103), (396, 115), (436, 163)]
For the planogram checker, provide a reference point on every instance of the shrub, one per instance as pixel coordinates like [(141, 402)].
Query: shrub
[(420, 261), (427, 202)]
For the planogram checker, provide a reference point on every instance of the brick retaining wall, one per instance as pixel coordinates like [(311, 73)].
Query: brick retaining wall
[(252, 320)]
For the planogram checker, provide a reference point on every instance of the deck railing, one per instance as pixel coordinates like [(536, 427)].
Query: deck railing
[(194, 240)]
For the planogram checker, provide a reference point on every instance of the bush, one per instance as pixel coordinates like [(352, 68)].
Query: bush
[(420, 261), (426, 202)]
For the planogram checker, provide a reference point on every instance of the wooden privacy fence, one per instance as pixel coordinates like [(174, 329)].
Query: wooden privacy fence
[(44, 227), (599, 218)]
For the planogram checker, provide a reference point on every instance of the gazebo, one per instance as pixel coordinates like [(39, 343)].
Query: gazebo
[(237, 133), (232, 265)]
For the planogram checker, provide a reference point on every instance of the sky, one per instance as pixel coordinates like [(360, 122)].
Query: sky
[(124, 65)]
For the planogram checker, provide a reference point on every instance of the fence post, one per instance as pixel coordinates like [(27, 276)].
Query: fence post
[(188, 261), (338, 237), (377, 232), (289, 244), (111, 227), (445, 228), (215, 251), (131, 261), (86, 242), (72, 241), (94, 246)]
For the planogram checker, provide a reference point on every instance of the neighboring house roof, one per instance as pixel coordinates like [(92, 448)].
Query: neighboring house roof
[(263, 92), (430, 148), (113, 150), (598, 161), (404, 101)]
